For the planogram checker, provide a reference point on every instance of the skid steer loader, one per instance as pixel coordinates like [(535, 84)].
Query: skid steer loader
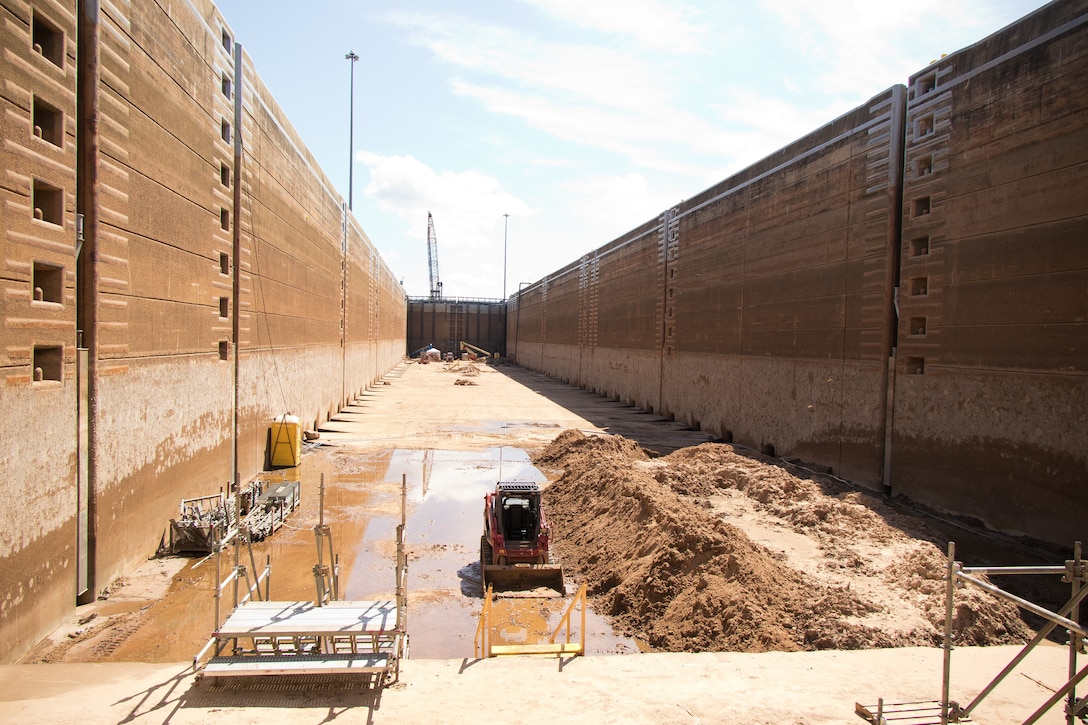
[(514, 549)]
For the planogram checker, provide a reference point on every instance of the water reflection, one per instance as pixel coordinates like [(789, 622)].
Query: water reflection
[(445, 492)]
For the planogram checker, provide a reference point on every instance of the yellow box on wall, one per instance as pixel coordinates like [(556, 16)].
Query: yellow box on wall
[(286, 441)]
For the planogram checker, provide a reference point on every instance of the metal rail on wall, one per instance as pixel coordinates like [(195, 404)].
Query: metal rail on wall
[(1075, 573)]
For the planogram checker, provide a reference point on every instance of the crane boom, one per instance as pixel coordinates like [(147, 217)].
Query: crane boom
[(432, 259)]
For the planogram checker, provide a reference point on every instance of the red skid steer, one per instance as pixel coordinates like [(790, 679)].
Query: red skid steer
[(514, 553)]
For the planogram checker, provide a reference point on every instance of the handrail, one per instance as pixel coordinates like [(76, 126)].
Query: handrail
[(200, 655), (256, 585), (579, 597), (480, 641)]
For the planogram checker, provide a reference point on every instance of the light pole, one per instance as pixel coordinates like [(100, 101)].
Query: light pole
[(505, 220), (351, 123)]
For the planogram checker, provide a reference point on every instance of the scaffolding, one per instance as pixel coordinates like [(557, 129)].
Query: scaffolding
[(263, 637), (484, 646), (941, 712)]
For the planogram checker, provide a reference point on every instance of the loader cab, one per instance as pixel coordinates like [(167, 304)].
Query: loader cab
[(513, 511), (519, 516)]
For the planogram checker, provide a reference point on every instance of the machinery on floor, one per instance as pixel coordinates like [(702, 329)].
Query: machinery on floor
[(474, 351), (206, 523), (515, 553), (432, 259)]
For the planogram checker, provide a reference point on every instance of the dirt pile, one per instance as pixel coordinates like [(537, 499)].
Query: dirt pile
[(710, 550), (469, 369)]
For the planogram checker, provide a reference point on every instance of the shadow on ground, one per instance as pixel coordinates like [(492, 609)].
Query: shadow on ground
[(656, 434)]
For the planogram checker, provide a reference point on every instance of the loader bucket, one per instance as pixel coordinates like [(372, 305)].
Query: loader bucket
[(525, 580)]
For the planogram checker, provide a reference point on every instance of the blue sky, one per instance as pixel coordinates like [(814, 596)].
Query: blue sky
[(581, 119)]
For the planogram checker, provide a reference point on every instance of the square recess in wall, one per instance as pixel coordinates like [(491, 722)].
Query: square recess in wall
[(47, 39), (48, 363), (47, 283)]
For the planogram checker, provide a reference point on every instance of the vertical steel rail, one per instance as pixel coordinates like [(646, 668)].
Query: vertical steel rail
[(253, 563), (1076, 581), (236, 267), (237, 558), (402, 569), (319, 582), (582, 634), (950, 594), (86, 263), (1076, 574), (218, 577)]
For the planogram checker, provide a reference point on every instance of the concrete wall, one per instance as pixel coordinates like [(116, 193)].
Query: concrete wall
[(38, 425), (173, 224), (445, 323), (991, 393), (900, 296)]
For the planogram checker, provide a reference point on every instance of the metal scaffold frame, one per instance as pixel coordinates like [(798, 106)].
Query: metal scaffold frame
[(326, 576), (1075, 573), (328, 636)]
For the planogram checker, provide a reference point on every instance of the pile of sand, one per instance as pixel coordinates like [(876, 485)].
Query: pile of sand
[(666, 548)]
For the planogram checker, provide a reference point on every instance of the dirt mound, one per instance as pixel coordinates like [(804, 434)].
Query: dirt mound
[(572, 446), (666, 548)]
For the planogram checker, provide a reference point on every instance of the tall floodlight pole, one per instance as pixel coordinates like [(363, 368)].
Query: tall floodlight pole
[(505, 219), (351, 124)]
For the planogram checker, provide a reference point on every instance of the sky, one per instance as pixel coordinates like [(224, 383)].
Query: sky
[(579, 119)]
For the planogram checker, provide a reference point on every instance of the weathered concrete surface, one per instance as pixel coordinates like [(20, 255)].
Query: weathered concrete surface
[(37, 305), (901, 296), (991, 391), (320, 316)]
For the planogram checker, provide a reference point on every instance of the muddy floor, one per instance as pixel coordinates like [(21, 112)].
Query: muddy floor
[(685, 544)]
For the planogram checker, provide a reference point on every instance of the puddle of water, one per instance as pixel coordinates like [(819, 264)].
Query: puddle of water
[(445, 492)]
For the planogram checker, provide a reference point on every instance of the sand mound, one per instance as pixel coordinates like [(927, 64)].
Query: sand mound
[(666, 548), (571, 446)]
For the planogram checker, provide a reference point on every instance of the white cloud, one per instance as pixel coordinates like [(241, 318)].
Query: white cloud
[(467, 208), (655, 116), (857, 48), (670, 26), (609, 205), (668, 140), (606, 76), (465, 204), (771, 123)]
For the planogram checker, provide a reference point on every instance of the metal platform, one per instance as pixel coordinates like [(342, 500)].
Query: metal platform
[(300, 638), (924, 712), (326, 664)]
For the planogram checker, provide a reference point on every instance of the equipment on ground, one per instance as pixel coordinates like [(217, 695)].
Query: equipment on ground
[(427, 354), (514, 549), (478, 351), (208, 523), (432, 259)]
